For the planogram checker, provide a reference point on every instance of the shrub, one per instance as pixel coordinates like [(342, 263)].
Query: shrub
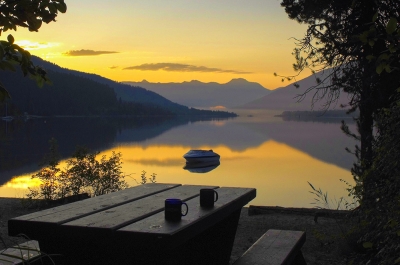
[(144, 179), (84, 173)]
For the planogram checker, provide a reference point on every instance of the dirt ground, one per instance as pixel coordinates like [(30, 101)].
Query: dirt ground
[(324, 245)]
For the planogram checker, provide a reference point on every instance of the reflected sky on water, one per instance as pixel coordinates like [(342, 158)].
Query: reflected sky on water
[(276, 157)]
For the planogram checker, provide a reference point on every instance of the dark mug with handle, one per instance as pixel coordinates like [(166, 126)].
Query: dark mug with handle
[(208, 197), (173, 209)]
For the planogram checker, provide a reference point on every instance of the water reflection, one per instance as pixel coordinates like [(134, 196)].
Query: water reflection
[(278, 171), (201, 167), (276, 157), (25, 144)]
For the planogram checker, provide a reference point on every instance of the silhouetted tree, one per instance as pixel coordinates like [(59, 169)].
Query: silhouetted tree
[(29, 14), (357, 44)]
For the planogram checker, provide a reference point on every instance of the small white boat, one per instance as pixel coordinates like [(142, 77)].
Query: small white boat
[(201, 156)]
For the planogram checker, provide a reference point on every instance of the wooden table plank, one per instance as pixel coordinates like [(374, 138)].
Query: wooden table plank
[(32, 223), (156, 228), (204, 236), (129, 225), (125, 214)]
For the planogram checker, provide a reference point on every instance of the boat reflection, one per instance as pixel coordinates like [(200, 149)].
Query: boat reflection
[(201, 167)]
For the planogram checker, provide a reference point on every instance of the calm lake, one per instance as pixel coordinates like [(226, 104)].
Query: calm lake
[(275, 156)]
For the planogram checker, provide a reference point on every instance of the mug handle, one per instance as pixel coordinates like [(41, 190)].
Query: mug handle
[(216, 197), (187, 209)]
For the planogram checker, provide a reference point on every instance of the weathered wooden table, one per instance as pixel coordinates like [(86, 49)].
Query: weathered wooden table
[(128, 227)]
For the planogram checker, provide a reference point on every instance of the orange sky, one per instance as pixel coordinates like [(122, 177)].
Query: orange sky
[(170, 41)]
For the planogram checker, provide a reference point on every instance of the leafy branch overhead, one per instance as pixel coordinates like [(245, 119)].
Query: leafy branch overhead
[(28, 14), (340, 37)]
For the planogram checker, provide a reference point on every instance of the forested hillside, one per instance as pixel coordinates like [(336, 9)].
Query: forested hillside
[(73, 93), (67, 95), (124, 92)]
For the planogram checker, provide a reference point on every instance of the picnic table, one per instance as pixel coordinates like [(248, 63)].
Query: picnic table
[(128, 227)]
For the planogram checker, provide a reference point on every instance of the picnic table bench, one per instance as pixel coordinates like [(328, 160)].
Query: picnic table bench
[(128, 227), (275, 247), (23, 253), (20, 254)]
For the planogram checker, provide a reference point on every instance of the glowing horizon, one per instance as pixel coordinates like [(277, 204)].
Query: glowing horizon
[(175, 42)]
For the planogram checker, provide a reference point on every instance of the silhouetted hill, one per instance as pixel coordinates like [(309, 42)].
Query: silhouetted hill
[(285, 98), (205, 95), (123, 91), (77, 93)]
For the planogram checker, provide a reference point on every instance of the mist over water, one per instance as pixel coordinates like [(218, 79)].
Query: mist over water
[(257, 150)]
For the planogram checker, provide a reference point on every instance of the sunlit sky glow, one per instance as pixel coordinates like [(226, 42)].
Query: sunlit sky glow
[(170, 41)]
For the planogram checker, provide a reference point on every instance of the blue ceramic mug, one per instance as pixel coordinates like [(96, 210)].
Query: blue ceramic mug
[(173, 209)]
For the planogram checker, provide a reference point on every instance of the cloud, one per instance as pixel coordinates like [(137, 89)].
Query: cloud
[(113, 67), (31, 45), (86, 52), (177, 67)]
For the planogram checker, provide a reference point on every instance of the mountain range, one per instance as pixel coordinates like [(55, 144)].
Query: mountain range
[(75, 93), (207, 95), (242, 94), (288, 98), (78, 93)]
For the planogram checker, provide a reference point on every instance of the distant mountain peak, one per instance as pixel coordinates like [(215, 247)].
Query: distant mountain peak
[(239, 80), (200, 94), (193, 82)]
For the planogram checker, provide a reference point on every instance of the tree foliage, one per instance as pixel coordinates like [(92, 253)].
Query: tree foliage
[(97, 177), (85, 173), (28, 14), (383, 226), (357, 43)]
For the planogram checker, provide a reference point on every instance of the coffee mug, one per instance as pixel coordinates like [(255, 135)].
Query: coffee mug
[(208, 197), (173, 209)]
